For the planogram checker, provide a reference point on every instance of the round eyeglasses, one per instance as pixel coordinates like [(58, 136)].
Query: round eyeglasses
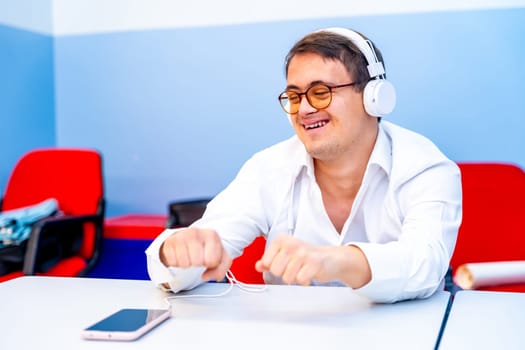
[(319, 96)]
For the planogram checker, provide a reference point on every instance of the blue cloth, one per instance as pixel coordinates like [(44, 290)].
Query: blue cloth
[(122, 259), (15, 225)]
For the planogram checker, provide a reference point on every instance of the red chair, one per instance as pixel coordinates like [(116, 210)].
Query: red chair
[(243, 267), (493, 227), (74, 177)]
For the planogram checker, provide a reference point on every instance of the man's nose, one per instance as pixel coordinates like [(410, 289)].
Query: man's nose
[(305, 107)]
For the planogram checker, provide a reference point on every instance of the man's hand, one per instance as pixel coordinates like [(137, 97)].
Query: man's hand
[(194, 247), (297, 262)]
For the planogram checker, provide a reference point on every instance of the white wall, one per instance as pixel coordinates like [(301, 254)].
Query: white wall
[(35, 15), (67, 17)]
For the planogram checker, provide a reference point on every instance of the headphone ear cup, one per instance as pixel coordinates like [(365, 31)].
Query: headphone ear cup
[(379, 97)]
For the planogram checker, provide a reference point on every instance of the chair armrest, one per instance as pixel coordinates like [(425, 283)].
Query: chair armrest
[(59, 228)]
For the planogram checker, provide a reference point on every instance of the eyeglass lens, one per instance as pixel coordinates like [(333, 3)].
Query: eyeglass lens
[(318, 96)]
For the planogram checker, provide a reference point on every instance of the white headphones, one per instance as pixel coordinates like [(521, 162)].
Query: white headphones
[(379, 95)]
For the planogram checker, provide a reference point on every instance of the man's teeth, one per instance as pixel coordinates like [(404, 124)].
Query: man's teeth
[(315, 125)]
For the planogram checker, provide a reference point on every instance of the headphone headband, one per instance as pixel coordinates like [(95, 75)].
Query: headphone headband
[(375, 67)]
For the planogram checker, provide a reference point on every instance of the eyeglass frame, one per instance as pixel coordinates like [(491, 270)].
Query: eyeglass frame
[(305, 93)]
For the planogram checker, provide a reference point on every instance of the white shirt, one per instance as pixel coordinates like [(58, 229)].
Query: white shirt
[(405, 217)]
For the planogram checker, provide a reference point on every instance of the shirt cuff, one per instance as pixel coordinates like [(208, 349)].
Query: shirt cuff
[(388, 267)]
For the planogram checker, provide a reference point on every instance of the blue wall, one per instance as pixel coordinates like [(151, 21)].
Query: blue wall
[(27, 115), (176, 112)]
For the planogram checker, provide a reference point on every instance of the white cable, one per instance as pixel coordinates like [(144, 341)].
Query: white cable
[(231, 281), (245, 287), (216, 295)]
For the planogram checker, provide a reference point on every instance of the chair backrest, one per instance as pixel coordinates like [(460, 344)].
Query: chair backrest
[(493, 227), (185, 212), (73, 176), (243, 267)]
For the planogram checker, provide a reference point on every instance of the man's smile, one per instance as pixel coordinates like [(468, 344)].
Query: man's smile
[(315, 125)]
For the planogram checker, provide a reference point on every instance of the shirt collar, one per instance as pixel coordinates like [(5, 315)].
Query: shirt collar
[(306, 163), (382, 152)]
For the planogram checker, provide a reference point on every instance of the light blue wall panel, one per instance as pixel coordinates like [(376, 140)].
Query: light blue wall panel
[(462, 82), (176, 112), (27, 116)]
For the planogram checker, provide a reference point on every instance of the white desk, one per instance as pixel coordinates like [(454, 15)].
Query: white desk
[(485, 320), (49, 312)]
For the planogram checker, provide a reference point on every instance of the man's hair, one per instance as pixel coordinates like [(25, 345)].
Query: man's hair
[(333, 46)]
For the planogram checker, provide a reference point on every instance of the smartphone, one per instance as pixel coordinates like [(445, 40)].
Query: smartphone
[(126, 324)]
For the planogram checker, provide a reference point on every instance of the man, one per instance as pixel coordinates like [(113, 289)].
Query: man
[(350, 200)]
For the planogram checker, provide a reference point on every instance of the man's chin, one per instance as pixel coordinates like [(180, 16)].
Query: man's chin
[(317, 152)]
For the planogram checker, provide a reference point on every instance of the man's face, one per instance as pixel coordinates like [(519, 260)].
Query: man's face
[(330, 133)]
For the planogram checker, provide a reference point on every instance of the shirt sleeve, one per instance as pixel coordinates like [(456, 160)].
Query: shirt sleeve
[(176, 278), (414, 265)]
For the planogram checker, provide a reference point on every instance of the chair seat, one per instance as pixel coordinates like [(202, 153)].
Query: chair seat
[(71, 266), (11, 276)]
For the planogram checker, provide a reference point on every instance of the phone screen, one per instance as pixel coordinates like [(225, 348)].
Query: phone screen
[(126, 324)]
